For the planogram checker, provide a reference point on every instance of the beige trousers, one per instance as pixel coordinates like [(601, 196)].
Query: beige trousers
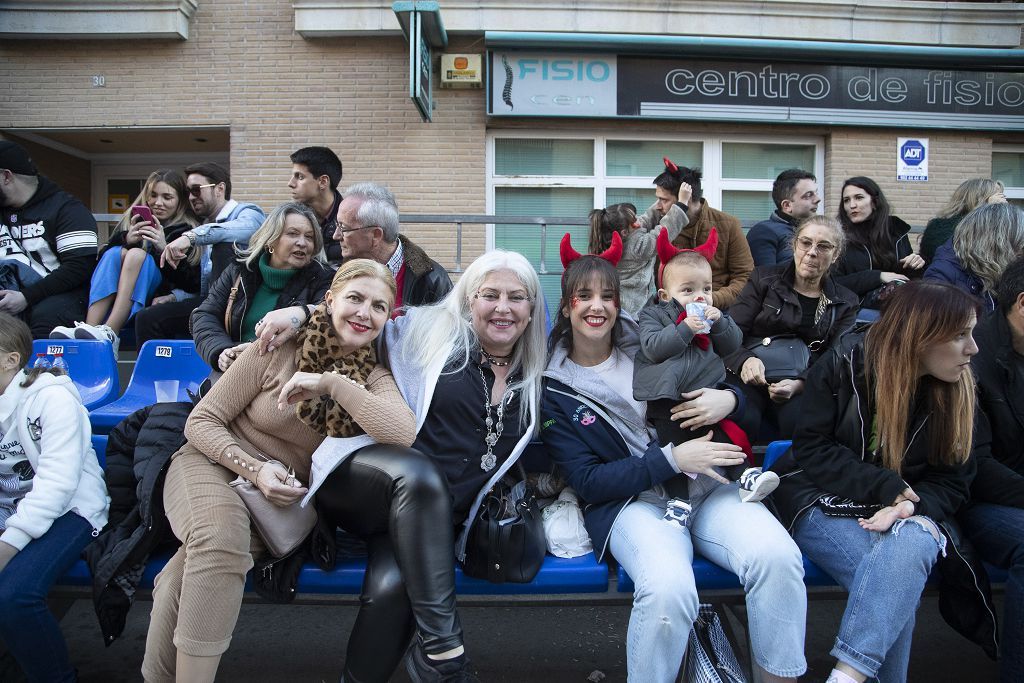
[(197, 596)]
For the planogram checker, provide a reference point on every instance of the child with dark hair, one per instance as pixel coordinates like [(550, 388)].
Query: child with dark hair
[(682, 341), (52, 500)]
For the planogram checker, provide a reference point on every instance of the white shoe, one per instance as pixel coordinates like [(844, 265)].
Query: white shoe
[(62, 332), (756, 484), (99, 333)]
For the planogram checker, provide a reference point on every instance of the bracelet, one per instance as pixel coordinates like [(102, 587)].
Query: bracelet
[(191, 237)]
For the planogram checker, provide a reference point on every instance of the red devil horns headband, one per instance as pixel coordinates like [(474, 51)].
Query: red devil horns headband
[(666, 251), (612, 254), (669, 166)]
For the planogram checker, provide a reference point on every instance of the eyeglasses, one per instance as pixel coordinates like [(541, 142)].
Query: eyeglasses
[(804, 244), (344, 231), (196, 190)]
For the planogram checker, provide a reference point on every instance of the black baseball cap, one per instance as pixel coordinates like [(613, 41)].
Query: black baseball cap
[(15, 159)]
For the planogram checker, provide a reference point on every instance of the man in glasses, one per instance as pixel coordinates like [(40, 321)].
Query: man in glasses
[(316, 172), (795, 194), (47, 246), (227, 222)]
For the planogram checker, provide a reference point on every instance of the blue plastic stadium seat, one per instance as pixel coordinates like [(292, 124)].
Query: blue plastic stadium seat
[(99, 444), (163, 359), (709, 576), (776, 449), (91, 366)]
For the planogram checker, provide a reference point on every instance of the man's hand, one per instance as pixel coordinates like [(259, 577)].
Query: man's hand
[(12, 301), (175, 251), (703, 407)]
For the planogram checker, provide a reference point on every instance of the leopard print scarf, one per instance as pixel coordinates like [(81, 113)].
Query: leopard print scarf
[(320, 351)]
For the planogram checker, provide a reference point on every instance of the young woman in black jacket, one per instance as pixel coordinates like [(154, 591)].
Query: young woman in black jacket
[(885, 456), (282, 267), (878, 248)]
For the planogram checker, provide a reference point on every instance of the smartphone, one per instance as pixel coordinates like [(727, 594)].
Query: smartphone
[(144, 213)]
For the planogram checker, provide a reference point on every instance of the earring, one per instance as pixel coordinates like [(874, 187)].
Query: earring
[(270, 250), (328, 308)]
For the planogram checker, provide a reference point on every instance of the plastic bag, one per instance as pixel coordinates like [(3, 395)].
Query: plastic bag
[(563, 527)]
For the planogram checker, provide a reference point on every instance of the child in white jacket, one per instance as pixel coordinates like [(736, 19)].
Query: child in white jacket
[(53, 500)]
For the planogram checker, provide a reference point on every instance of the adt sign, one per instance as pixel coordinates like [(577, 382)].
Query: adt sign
[(912, 152), (912, 159)]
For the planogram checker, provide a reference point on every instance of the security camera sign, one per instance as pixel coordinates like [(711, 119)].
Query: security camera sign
[(912, 159)]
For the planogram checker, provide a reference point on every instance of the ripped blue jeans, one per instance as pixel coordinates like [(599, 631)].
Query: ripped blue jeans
[(884, 574)]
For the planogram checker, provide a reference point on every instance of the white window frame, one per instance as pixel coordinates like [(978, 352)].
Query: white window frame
[(1013, 191), (713, 184)]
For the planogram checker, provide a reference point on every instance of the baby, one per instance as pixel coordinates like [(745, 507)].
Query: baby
[(682, 340)]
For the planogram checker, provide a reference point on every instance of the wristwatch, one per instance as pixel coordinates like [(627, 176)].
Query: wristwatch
[(191, 236)]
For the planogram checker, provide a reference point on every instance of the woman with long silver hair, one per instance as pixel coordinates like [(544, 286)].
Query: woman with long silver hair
[(470, 368)]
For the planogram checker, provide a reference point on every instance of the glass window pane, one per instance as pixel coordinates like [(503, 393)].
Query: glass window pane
[(525, 239), (640, 198), (637, 158), (1008, 168), (517, 156), (749, 207), (763, 161)]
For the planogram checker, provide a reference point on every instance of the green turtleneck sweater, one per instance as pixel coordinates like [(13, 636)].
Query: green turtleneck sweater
[(265, 298)]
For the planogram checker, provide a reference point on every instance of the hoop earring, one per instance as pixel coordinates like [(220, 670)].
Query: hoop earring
[(270, 250)]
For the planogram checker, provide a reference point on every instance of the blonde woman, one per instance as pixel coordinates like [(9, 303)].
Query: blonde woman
[(985, 242), (970, 195), (128, 276), (885, 455), (330, 371)]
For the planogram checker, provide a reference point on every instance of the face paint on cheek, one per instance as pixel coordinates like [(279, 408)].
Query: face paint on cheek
[(574, 302)]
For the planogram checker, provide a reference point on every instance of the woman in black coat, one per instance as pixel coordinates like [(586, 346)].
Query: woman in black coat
[(798, 299), (878, 250), (282, 267)]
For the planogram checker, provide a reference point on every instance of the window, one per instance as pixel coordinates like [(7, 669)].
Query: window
[(566, 175), (1008, 168)]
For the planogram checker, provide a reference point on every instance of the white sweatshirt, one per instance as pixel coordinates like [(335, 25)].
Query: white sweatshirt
[(47, 426)]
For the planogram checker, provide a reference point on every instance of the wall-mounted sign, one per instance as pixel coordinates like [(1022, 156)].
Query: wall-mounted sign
[(627, 86), (912, 159)]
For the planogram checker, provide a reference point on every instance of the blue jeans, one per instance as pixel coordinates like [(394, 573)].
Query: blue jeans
[(884, 574), (997, 531), (742, 537), (26, 626)]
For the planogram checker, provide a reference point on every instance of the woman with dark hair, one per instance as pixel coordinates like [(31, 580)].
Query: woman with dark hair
[(282, 267), (985, 242), (52, 500), (128, 276), (600, 436), (966, 198), (878, 250), (884, 449)]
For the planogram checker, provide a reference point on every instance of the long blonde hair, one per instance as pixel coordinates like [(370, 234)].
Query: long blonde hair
[(184, 214), (918, 316), (970, 195)]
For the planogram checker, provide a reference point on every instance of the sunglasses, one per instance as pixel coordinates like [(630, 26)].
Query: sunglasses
[(196, 190)]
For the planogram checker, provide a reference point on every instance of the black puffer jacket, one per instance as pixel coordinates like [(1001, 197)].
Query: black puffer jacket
[(830, 455), (860, 271), (139, 449), (768, 306), (307, 286)]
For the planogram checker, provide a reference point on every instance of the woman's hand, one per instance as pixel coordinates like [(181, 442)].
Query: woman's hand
[(887, 516), (302, 387), (908, 494), (785, 389), (702, 455), (685, 192), (912, 262), (280, 487), (230, 355), (133, 236), (165, 299), (752, 372), (154, 234), (278, 326), (704, 407), (893, 277), (7, 553)]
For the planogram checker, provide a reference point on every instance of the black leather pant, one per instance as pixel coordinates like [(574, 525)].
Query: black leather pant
[(398, 501)]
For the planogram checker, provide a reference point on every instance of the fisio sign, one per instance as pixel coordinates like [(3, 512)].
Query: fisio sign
[(529, 84)]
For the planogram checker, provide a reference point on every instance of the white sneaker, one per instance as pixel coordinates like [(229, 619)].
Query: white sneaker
[(62, 332), (756, 484), (99, 333)]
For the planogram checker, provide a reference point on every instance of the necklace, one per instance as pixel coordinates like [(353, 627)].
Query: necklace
[(493, 360), (488, 460)]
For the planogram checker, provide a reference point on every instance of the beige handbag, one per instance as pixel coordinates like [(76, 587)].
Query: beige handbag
[(283, 529)]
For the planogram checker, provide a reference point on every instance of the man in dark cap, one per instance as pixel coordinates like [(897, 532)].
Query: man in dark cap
[(47, 246)]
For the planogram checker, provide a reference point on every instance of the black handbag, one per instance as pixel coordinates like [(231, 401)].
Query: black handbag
[(506, 541), (785, 356)]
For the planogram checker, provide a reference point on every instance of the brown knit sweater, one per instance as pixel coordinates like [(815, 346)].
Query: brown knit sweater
[(244, 403)]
